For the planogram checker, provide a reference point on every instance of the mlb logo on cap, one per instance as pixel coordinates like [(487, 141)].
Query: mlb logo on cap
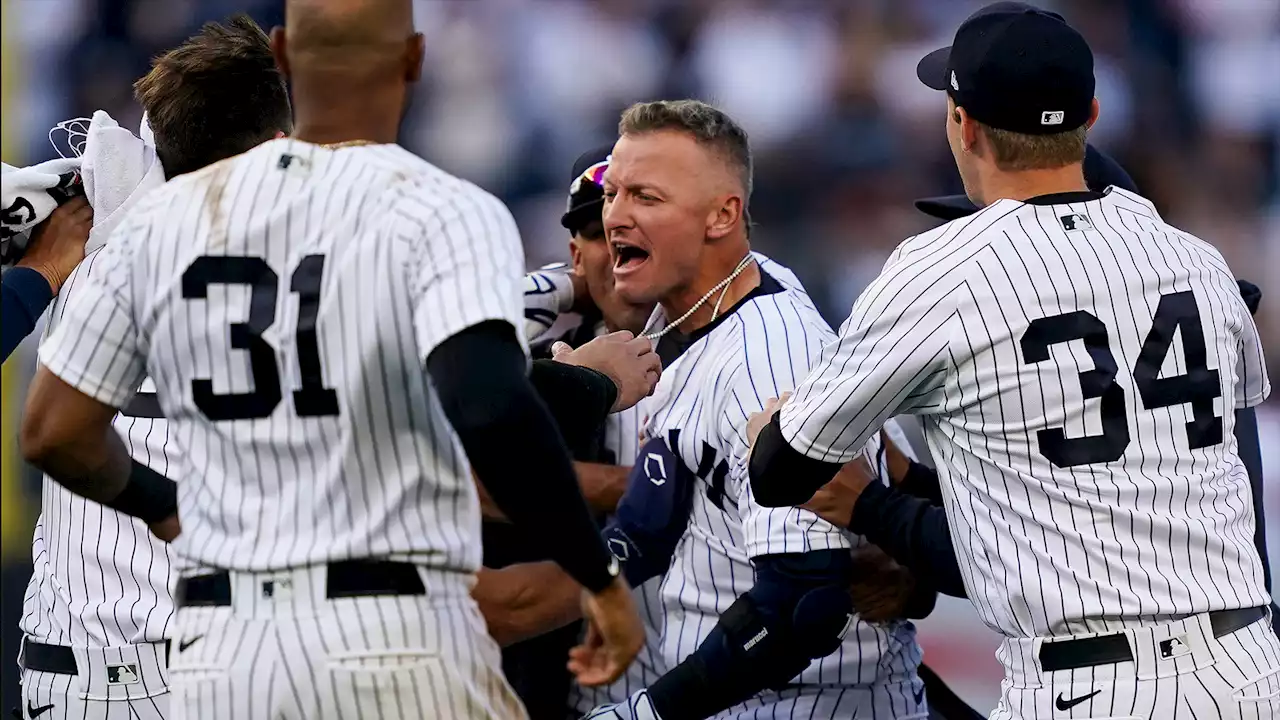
[(1052, 117)]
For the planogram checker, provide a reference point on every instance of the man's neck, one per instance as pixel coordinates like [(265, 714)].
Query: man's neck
[(747, 280), (333, 118), (1026, 184)]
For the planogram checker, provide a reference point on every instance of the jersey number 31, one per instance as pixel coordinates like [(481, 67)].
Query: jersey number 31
[(1198, 386), (313, 399)]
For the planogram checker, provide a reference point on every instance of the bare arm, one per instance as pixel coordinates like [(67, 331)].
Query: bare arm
[(526, 600)]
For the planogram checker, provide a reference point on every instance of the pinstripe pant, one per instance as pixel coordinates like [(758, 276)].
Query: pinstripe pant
[(300, 656), (1235, 677), (54, 696)]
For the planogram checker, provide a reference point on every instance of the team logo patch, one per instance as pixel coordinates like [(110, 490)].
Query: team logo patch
[(276, 588), (1075, 222), (655, 468), (1052, 117), (122, 674), (1174, 647)]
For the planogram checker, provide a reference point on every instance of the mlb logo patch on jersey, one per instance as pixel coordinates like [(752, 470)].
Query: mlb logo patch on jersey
[(1075, 222), (122, 674)]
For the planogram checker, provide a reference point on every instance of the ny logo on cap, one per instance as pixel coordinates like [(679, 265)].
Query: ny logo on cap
[(955, 85), (1052, 117)]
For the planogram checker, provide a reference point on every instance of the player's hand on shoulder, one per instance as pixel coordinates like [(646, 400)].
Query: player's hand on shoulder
[(613, 639), (834, 502), (628, 360), (57, 244), (168, 529), (757, 420)]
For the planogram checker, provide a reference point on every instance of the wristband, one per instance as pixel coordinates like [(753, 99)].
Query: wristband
[(148, 495)]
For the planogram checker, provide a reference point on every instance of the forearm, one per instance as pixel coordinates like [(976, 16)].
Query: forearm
[(25, 296), (602, 485), (526, 600), (506, 429), (95, 466), (912, 531), (780, 474)]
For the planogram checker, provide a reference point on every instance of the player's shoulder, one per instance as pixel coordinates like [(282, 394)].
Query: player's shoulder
[(425, 192), (958, 239)]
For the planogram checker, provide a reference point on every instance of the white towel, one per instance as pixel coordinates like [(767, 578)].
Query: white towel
[(28, 196), (118, 169)]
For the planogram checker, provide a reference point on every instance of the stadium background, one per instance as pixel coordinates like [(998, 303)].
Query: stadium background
[(844, 137)]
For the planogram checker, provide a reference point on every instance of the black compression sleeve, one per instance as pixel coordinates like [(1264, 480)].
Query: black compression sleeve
[(780, 474), (579, 399), (148, 496), (480, 377), (913, 532)]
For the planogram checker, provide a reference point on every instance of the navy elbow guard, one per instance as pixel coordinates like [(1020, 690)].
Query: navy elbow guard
[(653, 513), (798, 611)]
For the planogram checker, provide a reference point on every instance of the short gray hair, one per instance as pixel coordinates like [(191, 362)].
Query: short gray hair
[(709, 126)]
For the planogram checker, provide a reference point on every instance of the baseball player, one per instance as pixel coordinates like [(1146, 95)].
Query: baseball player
[(97, 617), (1075, 361), (759, 621), (330, 531)]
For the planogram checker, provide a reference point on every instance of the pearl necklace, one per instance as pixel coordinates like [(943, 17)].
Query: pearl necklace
[(722, 286)]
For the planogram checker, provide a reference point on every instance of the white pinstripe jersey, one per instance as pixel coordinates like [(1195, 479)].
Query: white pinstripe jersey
[(100, 577), (755, 352), (1076, 366), (548, 297), (284, 302)]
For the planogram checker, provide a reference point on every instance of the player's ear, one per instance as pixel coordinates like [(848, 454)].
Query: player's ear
[(575, 257), (968, 129), (279, 49), (725, 217), (415, 51), (1093, 114)]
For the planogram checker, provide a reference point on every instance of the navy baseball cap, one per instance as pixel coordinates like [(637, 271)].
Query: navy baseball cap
[(1101, 171), (1018, 68), (586, 189)]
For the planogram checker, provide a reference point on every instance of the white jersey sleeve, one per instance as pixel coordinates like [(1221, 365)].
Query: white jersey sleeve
[(1253, 386), (97, 347), (890, 358), (470, 271), (548, 300)]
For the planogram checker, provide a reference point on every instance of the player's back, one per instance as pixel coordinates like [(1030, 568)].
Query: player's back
[(296, 298), (1097, 358)]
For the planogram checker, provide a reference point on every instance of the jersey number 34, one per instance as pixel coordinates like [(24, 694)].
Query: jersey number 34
[(313, 399), (1198, 386)]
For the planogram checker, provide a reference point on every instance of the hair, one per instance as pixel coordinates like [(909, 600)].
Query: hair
[(1016, 151), (709, 126), (216, 95)]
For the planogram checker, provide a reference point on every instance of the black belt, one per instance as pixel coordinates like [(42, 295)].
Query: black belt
[(39, 657), (345, 579), (1114, 648)]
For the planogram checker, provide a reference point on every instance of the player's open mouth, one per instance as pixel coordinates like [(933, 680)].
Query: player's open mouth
[(628, 257)]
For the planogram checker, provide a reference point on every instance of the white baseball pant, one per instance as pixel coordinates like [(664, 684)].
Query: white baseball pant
[(127, 682), (283, 650), (1177, 670)]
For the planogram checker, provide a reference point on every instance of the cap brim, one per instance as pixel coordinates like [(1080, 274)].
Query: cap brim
[(580, 215), (951, 207), (932, 69)]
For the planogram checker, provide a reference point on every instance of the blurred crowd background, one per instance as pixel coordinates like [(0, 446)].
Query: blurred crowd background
[(844, 135)]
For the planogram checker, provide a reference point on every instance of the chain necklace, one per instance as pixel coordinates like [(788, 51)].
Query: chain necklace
[(346, 143), (722, 286)]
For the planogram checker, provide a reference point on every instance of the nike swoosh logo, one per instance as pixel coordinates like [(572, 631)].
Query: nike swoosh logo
[(37, 711), (1065, 705), (182, 646)]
